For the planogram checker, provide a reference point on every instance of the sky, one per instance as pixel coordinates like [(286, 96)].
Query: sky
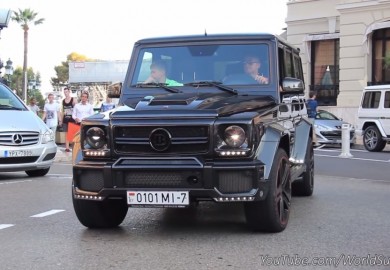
[(107, 30)]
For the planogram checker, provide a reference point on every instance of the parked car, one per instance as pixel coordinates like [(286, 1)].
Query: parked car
[(26, 143), (328, 128), (374, 117)]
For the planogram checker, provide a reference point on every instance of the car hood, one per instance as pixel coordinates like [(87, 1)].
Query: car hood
[(21, 121), (215, 104)]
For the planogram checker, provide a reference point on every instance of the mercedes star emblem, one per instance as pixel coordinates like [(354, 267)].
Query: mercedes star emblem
[(17, 138)]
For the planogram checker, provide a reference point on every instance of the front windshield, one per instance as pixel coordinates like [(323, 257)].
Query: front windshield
[(177, 66), (9, 101)]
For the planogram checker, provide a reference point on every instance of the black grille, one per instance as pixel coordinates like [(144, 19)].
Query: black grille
[(235, 181), (90, 180), (162, 178), (184, 139), (18, 160), (49, 156)]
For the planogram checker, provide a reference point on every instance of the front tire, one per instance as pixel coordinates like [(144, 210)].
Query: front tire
[(372, 139), (100, 214), (37, 173), (272, 214)]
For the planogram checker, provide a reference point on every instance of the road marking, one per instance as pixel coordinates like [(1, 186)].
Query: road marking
[(14, 182), (5, 226), (363, 159), (48, 213), (59, 176)]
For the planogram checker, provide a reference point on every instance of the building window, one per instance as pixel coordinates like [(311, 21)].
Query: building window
[(325, 71), (381, 56)]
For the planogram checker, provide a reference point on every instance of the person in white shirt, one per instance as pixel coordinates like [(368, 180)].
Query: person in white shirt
[(83, 109), (52, 114)]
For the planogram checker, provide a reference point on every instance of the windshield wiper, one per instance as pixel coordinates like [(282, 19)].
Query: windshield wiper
[(9, 107), (217, 84), (162, 85)]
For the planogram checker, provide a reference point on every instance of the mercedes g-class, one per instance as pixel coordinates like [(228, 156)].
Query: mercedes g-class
[(374, 117), (196, 123)]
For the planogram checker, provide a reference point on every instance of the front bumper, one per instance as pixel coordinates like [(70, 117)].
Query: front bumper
[(221, 181), (42, 157), (334, 137)]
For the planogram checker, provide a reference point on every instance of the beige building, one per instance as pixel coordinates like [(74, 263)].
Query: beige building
[(343, 46)]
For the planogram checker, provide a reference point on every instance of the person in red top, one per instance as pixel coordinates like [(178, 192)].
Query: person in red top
[(67, 109)]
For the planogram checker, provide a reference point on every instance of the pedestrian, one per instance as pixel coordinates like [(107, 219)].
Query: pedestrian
[(81, 110), (52, 113), (312, 105), (108, 105), (67, 109), (33, 106)]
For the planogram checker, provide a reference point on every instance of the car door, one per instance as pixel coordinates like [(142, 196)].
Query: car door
[(385, 117)]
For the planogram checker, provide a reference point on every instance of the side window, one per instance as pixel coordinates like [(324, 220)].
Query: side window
[(387, 99), (371, 100), (298, 67), (289, 69), (145, 67)]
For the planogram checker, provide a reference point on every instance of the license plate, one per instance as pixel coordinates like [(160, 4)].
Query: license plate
[(18, 153), (158, 198)]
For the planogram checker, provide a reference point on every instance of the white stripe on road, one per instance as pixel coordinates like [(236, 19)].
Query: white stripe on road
[(363, 159), (61, 176), (48, 213), (5, 226), (15, 182)]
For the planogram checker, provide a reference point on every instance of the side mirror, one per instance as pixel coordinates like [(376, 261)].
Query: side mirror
[(293, 85), (114, 90)]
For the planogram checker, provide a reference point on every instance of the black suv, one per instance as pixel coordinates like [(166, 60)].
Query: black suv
[(209, 131)]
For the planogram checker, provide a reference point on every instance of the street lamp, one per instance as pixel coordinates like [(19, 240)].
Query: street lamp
[(5, 16), (9, 70)]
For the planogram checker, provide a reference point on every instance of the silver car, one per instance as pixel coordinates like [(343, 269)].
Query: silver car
[(328, 128), (26, 143)]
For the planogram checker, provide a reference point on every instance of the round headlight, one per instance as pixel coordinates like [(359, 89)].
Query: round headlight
[(95, 137), (234, 136)]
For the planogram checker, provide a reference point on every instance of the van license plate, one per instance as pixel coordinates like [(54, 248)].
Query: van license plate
[(18, 153)]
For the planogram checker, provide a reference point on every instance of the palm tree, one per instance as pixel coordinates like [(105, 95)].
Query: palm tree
[(25, 18)]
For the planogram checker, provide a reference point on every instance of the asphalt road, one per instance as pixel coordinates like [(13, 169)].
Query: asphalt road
[(347, 220)]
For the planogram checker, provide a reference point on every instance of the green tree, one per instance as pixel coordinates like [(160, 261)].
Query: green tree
[(17, 81), (25, 18)]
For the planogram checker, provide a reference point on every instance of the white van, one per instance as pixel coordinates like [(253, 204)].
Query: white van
[(374, 117), (26, 143)]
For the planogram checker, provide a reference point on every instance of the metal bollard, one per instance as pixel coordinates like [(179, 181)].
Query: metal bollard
[(345, 141)]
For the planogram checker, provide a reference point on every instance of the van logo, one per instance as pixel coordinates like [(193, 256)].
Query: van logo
[(160, 139), (17, 138)]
